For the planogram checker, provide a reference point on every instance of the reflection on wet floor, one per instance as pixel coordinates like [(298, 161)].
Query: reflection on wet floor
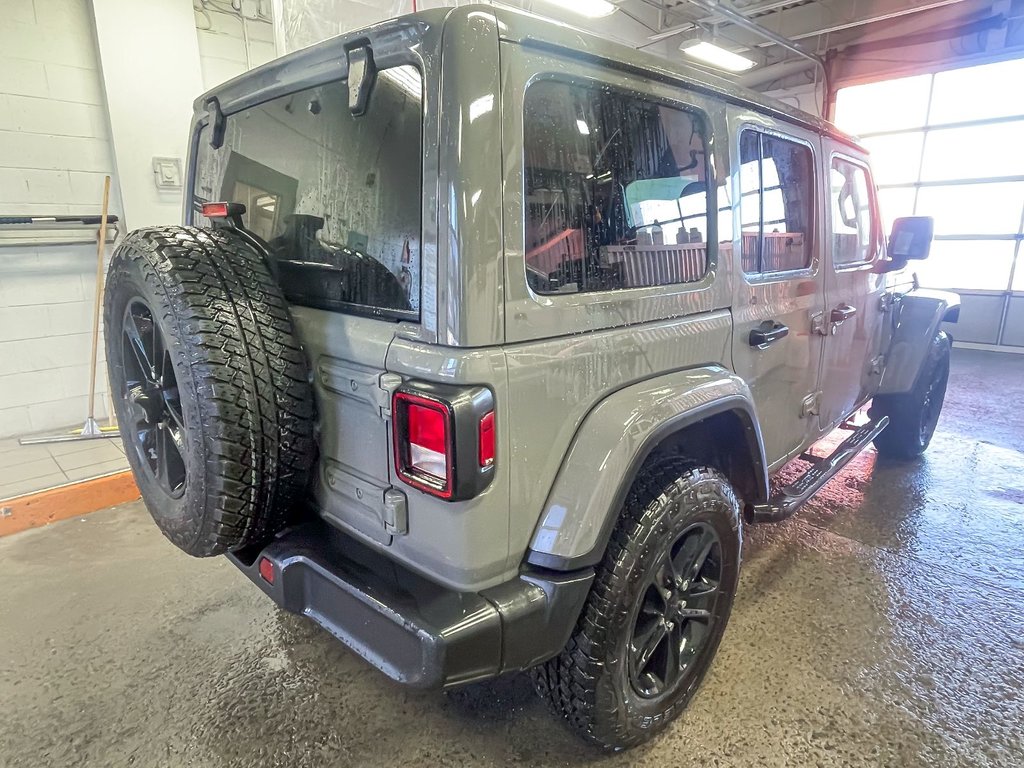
[(882, 626)]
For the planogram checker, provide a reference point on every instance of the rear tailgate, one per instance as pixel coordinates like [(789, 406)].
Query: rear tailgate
[(337, 197), (346, 355)]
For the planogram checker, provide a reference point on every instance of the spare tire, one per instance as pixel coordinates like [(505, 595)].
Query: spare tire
[(209, 384)]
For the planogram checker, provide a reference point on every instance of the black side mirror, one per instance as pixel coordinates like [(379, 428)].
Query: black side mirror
[(911, 238)]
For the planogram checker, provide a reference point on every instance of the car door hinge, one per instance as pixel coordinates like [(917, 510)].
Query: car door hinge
[(818, 324), (811, 405), (387, 384), (877, 364), (887, 301)]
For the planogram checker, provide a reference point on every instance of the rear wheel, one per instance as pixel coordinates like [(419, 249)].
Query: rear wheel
[(657, 611), (209, 386), (913, 416)]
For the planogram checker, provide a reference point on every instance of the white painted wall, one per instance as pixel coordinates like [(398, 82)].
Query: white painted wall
[(151, 75), (56, 145), (232, 42), (54, 153)]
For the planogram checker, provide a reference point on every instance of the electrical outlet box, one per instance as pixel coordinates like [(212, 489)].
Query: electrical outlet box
[(167, 172)]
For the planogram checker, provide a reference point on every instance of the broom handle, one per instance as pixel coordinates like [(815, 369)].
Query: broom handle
[(101, 242)]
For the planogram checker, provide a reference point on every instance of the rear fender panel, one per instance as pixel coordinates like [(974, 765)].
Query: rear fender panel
[(611, 446)]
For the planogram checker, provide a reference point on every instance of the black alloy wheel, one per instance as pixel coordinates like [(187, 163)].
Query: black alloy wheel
[(157, 429), (657, 609), (914, 415), (931, 405), (676, 614)]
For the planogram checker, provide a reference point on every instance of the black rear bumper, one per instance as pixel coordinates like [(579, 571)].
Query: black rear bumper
[(410, 628)]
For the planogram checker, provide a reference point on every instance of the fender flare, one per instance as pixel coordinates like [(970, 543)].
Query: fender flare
[(610, 447), (920, 313)]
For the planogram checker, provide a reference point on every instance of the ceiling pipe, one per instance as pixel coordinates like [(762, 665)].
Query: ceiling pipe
[(786, 68), (733, 16), (888, 16), (751, 10), (764, 7), (774, 72), (738, 19)]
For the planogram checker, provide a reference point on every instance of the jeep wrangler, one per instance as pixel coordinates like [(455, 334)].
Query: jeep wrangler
[(484, 336)]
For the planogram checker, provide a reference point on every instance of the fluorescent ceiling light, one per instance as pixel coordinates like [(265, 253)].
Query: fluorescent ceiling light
[(592, 8), (711, 54)]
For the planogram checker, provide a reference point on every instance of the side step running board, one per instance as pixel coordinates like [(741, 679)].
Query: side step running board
[(793, 496)]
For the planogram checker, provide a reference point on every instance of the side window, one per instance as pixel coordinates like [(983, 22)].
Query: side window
[(852, 220), (615, 190), (776, 203)]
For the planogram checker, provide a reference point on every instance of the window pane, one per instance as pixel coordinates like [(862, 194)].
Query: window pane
[(616, 193), (787, 209), (895, 159), (973, 209), (337, 197), (978, 151), (725, 214), (975, 93), (1018, 273), (750, 199), (967, 264), (852, 234), (894, 203), (885, 106)]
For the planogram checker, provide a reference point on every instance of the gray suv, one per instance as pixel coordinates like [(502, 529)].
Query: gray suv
[(484, 337)]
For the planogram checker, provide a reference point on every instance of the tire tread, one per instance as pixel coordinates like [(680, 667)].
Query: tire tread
[(569, 681), (249, 374)]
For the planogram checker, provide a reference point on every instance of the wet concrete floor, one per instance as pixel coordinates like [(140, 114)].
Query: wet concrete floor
[(883, 626)]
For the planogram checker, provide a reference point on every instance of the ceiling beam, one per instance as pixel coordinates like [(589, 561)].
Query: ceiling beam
[(888, 16), (815, 20), (789, 67)]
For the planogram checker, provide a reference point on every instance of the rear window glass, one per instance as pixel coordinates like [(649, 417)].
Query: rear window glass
[(336, 197), (616, 190)]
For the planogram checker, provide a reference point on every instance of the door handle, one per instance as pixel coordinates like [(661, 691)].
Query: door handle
[(842, 312), (767, 333)]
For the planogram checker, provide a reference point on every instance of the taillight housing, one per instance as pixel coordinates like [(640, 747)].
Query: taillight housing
[(444, 438), (223, 210)]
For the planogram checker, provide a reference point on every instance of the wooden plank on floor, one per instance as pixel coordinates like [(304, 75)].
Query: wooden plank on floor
[(44, 507)]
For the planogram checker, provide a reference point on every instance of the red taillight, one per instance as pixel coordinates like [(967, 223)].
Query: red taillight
[(223, 210), (423, 443), (215, 210), (487, 440), (428, 440), (444, 438), (267, 570)]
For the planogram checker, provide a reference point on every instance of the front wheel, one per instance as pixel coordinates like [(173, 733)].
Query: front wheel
[(914, 415), (657, 611)]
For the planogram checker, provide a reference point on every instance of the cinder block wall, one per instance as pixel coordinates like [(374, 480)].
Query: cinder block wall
[(55, 149), (54, 153), (223, 51)]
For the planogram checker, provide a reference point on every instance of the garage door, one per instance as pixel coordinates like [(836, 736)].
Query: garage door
[(950, 145)]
